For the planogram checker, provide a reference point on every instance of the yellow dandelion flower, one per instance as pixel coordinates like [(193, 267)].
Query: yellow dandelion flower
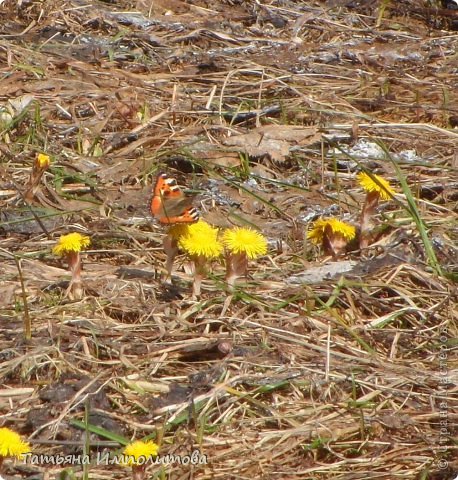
[(336, 226), (43, 161), (376, 184), (201, 240), (11, 444), (245, 240), (139, 453), (73, 242)]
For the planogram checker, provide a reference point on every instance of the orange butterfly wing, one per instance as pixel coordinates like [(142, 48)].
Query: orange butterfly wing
[(169, 204)]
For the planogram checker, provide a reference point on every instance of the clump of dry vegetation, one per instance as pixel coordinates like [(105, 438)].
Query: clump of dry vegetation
[(310, 366)]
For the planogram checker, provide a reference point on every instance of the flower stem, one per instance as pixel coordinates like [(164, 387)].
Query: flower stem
[(368, 210), (170, 245), (199, 273), (138, 472), (236, 266), (333, 243), (33, 184), (75, 289)]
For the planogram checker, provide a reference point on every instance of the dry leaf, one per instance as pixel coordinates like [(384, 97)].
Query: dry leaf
[(274, 140)]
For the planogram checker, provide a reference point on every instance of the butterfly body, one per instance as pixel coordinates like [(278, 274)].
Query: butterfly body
[(169, 204)]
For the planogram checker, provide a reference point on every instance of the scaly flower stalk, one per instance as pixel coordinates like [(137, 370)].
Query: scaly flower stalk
[(40, 165), (377, 188), (201, 243), (11, 445), (332, 234), (138, 455), (170, 244), (241, 244), (200, 271), (70, 246)]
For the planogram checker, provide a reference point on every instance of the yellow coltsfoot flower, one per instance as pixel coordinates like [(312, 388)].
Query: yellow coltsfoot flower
[(70, 246), (40, 165), (377, 188), (376, 184), (200, 242), (42, 161), (332, 225), (333, 234), (138, 455), (73, 242), (11, 445), (245, 240), (139, 452)]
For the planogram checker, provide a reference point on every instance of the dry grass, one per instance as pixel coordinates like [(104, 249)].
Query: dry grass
[(342, 378)]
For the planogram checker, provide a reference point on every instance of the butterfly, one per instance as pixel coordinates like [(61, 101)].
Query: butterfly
[(170, 204)]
